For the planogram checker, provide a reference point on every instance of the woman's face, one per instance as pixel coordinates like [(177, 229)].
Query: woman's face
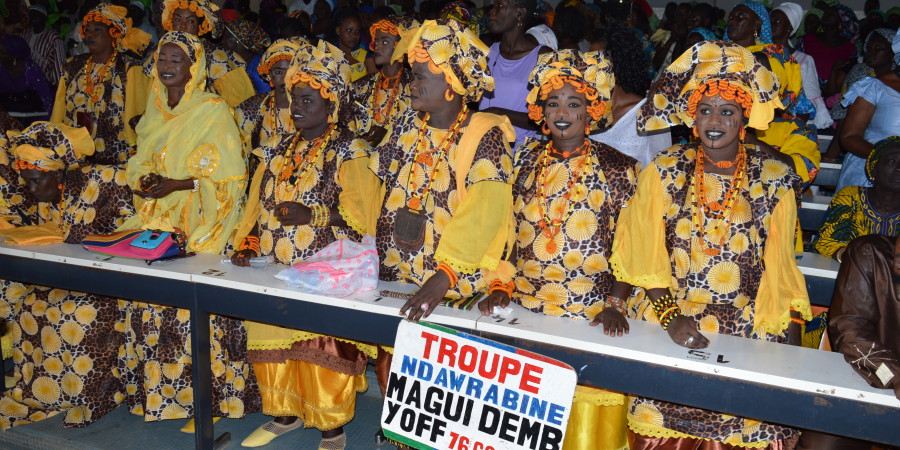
[(185, 20), (384, 47), (887, 171), (565, 112), (308, 109), (348, 32), (718, 121), (173, 66), (322, 10), (811, 23), (878, 52), (97, 38), (277, 72), (42, 186), (742, 23), (427, 89), (503, 16), (781, 26)]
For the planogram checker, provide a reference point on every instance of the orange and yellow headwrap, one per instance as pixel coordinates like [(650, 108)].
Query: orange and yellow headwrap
[(711, 68), (45, 146), (280, 50), (204, 9), (120, 28), (456, 52), (322, 67), (384, 26), (590, 73)]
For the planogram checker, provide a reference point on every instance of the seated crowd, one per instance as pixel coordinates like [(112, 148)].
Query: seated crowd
[(590, 161)]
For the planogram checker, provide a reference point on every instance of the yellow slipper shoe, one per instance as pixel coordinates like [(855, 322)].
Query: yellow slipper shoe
[(269, 431), (189, 426)]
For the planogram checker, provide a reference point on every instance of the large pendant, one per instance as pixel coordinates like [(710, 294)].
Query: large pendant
[(409, 230), (711, 251)]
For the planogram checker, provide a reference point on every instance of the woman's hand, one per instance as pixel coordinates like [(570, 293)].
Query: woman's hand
[(375, 135), (292, 214), (242, 257), (426, 300), (155, 186), (683, 331), (795, 330), (487, 305), (614, 323)]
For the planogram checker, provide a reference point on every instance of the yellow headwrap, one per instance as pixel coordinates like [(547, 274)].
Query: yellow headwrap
[(123, 33), (282, 49), (456, 52), (591, 71), (324, 68), (47, 147), (204, 9)]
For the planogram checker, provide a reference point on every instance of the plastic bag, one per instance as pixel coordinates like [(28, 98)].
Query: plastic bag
[(342, 268)]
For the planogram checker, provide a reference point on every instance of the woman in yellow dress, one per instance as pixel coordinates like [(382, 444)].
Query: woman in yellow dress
[(225, 71), (378, 98), (306, 379), (103, 90), (66, 342), (567, 196), (188, 173), (710, 236)]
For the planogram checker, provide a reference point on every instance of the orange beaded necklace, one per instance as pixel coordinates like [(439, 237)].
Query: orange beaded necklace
[(91, 83), (296, 165), (427, 158), (702, 208), (382, 114), (549, 227)]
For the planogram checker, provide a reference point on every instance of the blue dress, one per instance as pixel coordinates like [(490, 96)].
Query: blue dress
[(885, 123)]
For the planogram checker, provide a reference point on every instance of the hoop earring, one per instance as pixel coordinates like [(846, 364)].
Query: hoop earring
[(448, 94), (545, 129)]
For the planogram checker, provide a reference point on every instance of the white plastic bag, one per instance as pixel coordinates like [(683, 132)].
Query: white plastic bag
[(341, 268)]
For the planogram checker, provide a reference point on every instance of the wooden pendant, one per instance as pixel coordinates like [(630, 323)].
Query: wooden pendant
[(414, 203)]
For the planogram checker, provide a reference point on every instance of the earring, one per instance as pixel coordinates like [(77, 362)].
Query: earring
[(756, 34), (448, 94), (696, 133), (545, 129), (587, 128), (742, 134), (519, 22)]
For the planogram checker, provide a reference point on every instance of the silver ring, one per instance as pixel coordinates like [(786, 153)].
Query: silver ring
[(424, 307), (689, 340)]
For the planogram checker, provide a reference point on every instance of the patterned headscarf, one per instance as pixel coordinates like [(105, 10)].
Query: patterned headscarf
[(590, 73), (765, 29), (877, 151), (814, 11), (707, 35), (124, 35), (45, 146), (849, 22), (455, 51), (322, 67), (195, 52), (402, 26), (204, 9), (250, 35), (282, 49), (461, 12), (669, 98)]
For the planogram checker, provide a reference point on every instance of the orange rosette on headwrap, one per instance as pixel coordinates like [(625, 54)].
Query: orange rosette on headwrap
[(456, 52), (590, 73), (322, 67), (711, 68), (47, 147)]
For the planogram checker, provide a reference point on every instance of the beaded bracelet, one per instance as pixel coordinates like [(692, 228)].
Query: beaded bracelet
[(499, 286), (616, 303), (250, 243), (321, 215), (666, 310), (443, 267)]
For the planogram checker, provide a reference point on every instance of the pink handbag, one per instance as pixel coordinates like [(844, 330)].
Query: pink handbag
[(120, 244)]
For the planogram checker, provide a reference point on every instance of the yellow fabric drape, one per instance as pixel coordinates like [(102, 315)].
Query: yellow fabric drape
[(197, 139), (251, 209), (293, 388), (234, 87), (136, 90), (59, 103), (478, 232), (44, 234), (641, 231), (780, 134), (261, 336), (597, 420), (782, 286), (361, 195)]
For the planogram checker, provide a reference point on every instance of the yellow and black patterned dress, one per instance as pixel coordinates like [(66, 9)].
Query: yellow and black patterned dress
[(115, 101), (566, 273), (463, 234), (751, 263), (260, 121), (66, 343), (372, 104), (283, 357)]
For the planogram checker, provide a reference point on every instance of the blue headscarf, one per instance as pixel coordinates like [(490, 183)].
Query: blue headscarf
[(707, 35), (765, 30)]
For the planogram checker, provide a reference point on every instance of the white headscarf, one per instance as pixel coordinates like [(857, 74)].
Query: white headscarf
[(794, 13)]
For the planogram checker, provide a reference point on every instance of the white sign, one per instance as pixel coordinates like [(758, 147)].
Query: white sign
[(450, 390)]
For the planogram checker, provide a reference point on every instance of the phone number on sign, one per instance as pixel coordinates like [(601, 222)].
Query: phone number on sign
[(458, 442)]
